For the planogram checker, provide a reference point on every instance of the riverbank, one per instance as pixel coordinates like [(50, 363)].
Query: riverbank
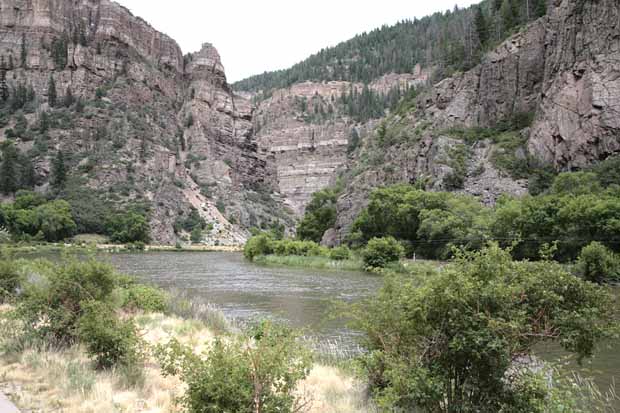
[(46, 379), (112, 248), (319, 262)]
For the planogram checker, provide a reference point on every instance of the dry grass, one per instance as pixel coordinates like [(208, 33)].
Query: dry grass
[(50, 380)]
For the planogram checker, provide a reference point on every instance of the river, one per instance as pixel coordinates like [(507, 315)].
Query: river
[(301, 297)]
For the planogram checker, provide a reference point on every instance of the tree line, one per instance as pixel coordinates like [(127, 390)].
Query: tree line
[(450, 41)]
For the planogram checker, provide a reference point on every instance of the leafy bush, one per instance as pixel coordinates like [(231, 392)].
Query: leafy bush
[(446, 339), (258, 373), (108, 339), (340, 253), (52, 306), (301, 248), (258, 245), (10, 279), (598, 264), (382, 251), (145, 298)]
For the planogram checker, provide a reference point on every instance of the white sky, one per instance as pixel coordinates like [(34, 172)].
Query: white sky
[(254, 36)]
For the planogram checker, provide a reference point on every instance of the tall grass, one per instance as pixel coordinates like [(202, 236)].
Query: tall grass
[(322, 263)]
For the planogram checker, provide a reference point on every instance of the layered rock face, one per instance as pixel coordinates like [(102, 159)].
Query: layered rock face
[(309, 149), (155, 127)]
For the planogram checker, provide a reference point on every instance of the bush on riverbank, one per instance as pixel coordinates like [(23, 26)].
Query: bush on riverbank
[(10, 279), (598, 264), (321, 263), (382, 251), (447, 339)]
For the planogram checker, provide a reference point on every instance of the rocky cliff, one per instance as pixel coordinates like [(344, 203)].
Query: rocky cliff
[(560, 74), (152, 125)]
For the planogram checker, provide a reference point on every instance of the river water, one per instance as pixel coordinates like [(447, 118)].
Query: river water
[(301, 297)]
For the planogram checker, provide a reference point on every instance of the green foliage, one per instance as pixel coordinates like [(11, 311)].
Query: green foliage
[(128, 227), (320, 215), (258, 245), (340, 253), (190, 223), (52, 94), (444, 340), (432, 222), (52, 307), (597, 264), (145, 298), (32, 216), (10, 278), (111, 341), (59, 172), (9, 181), (382, 251), (257, 373)]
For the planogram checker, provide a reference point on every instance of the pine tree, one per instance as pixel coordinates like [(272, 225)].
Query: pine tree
[(24, 52), (482, 28), (509, 18), (51, 92), (8, 170), (59, 172), (44, 122), (68, 99), (28, 174)]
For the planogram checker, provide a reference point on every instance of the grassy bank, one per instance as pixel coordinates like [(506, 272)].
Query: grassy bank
[(20, 248), (322, 263), (42, 378)]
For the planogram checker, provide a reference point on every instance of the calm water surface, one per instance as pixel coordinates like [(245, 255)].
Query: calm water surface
[(301, 297)]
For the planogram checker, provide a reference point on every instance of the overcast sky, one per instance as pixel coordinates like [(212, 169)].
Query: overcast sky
[(254, 36)]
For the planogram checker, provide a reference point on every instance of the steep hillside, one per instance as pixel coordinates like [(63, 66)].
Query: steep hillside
[(545, 100), (137, 122), (313, 116)]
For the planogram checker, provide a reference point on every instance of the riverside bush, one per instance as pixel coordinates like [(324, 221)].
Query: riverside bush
[(382, 251), (255, 373), (258, 245), (111, 341), (598, 264), (444, 340), (10, 279), (145, 298), (52, 306), (340, 253)]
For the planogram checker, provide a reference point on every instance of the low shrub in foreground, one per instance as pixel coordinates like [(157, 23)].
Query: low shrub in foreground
[(257, 373), (382, 251), (111, 341), (446, 340), (598, 264), (52, 306), (10, 279)]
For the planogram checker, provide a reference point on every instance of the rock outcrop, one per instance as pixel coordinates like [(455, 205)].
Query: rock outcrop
[(154, 126), (561, 70)]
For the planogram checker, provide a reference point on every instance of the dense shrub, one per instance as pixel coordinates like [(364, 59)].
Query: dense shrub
[(258, 245), (598, 264), (300, 248), (10, 279), (108, 339), (258, 373), (340, 253), (382, 251), (31, 216), (444, 340), (145, 298), (52, 306)]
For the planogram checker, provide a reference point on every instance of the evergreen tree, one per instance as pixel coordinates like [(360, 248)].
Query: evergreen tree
[(59, 172), (44, 122), (28, 174), (51, 92), (68, 99), (24, 52), (482, 28), (8, 170)]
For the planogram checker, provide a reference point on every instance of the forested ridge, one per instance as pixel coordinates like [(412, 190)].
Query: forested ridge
[(450, 41)]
